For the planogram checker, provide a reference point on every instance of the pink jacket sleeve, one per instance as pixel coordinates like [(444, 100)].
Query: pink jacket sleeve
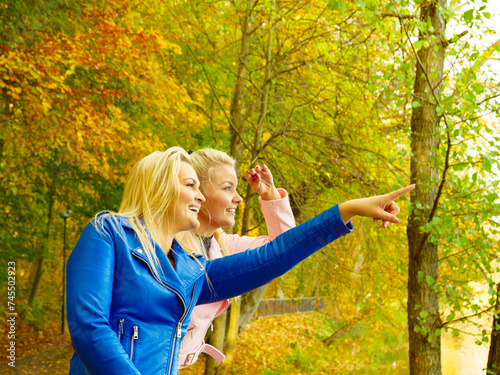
[(279, 218)]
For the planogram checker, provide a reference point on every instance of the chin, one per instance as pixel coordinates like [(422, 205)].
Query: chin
[(230, 223), (194, 225)]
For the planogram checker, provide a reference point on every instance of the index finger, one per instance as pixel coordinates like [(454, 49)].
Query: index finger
[(393, 195)]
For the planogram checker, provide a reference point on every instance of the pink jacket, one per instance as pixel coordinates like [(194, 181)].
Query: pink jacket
[(279, 218)]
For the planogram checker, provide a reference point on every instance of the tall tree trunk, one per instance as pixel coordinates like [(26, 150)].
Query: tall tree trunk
[(217, 337), (423, 307), (232, 335), (493, 366), (237, 118), (249, 305), (38, 269)]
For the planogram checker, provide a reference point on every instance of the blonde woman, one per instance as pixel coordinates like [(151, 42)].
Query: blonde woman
[(131, 288), (218, 183)]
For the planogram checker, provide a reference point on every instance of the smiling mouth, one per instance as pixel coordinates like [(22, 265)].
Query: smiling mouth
[(231, 210), (194, 208)]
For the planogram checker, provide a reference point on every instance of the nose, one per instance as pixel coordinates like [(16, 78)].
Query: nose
[(199, 196), (237, 198)]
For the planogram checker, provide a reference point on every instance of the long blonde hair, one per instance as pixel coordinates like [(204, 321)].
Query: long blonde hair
[(205, 163), (149, 199)]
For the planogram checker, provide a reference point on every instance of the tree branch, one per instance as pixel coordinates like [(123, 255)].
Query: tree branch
[(446, 43), (468, 316), (400, 16)]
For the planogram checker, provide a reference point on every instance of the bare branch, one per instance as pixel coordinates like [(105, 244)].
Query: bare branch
[(468, 316), (446, 43), (399, 16)]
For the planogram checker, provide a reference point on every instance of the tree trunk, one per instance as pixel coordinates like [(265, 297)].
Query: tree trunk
[(232, 336), (249, 305), (38, 269), (39, 261), (237, 129), (493, 367), (216, 339), (233, 330), (423, 307), (238, 121)]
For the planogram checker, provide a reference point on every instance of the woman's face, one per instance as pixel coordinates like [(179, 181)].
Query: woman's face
[(190, 200), (219, 209)]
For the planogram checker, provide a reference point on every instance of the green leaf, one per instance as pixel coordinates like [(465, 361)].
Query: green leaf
[(492, 197), (420, 276), (416, 104), (477, 87), (468, 15), (418, 45), (450, 317), (437, 332), (487, 164), (424, 314), (429, 279), (337, 5)]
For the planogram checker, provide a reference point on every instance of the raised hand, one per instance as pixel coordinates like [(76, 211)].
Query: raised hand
[(380, 207), (260, 179)]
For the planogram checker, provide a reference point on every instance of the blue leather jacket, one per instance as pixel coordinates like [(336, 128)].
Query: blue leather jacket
[(124, 320)]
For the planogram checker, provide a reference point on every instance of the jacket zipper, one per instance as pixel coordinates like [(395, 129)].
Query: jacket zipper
[(135, 336), (179, 329), (120, 329), (179, 324)]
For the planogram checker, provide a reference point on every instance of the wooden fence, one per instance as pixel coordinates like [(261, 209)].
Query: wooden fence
[(270, 307)]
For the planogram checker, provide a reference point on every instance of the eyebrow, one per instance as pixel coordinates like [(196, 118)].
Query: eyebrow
[(226, 182)]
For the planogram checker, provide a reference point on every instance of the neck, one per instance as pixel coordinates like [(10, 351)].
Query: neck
[(205, 233), (166, 238), (166, 243), (205, 230)]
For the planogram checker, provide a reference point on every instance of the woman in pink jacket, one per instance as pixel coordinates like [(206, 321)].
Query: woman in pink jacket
[(218, 182)]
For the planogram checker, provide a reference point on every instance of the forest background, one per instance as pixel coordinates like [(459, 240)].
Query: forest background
[(340, 99)]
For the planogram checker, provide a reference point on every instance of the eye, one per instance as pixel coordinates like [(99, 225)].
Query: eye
[(190, 185), (228, 188)]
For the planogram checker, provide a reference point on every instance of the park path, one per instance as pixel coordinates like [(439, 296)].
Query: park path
[(53, 361)]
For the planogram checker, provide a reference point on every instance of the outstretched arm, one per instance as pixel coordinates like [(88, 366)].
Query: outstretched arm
[(237, 274)]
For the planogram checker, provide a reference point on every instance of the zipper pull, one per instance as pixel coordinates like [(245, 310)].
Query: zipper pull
[(120, 327), (136, 332), (179, 331), (212, 326)]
